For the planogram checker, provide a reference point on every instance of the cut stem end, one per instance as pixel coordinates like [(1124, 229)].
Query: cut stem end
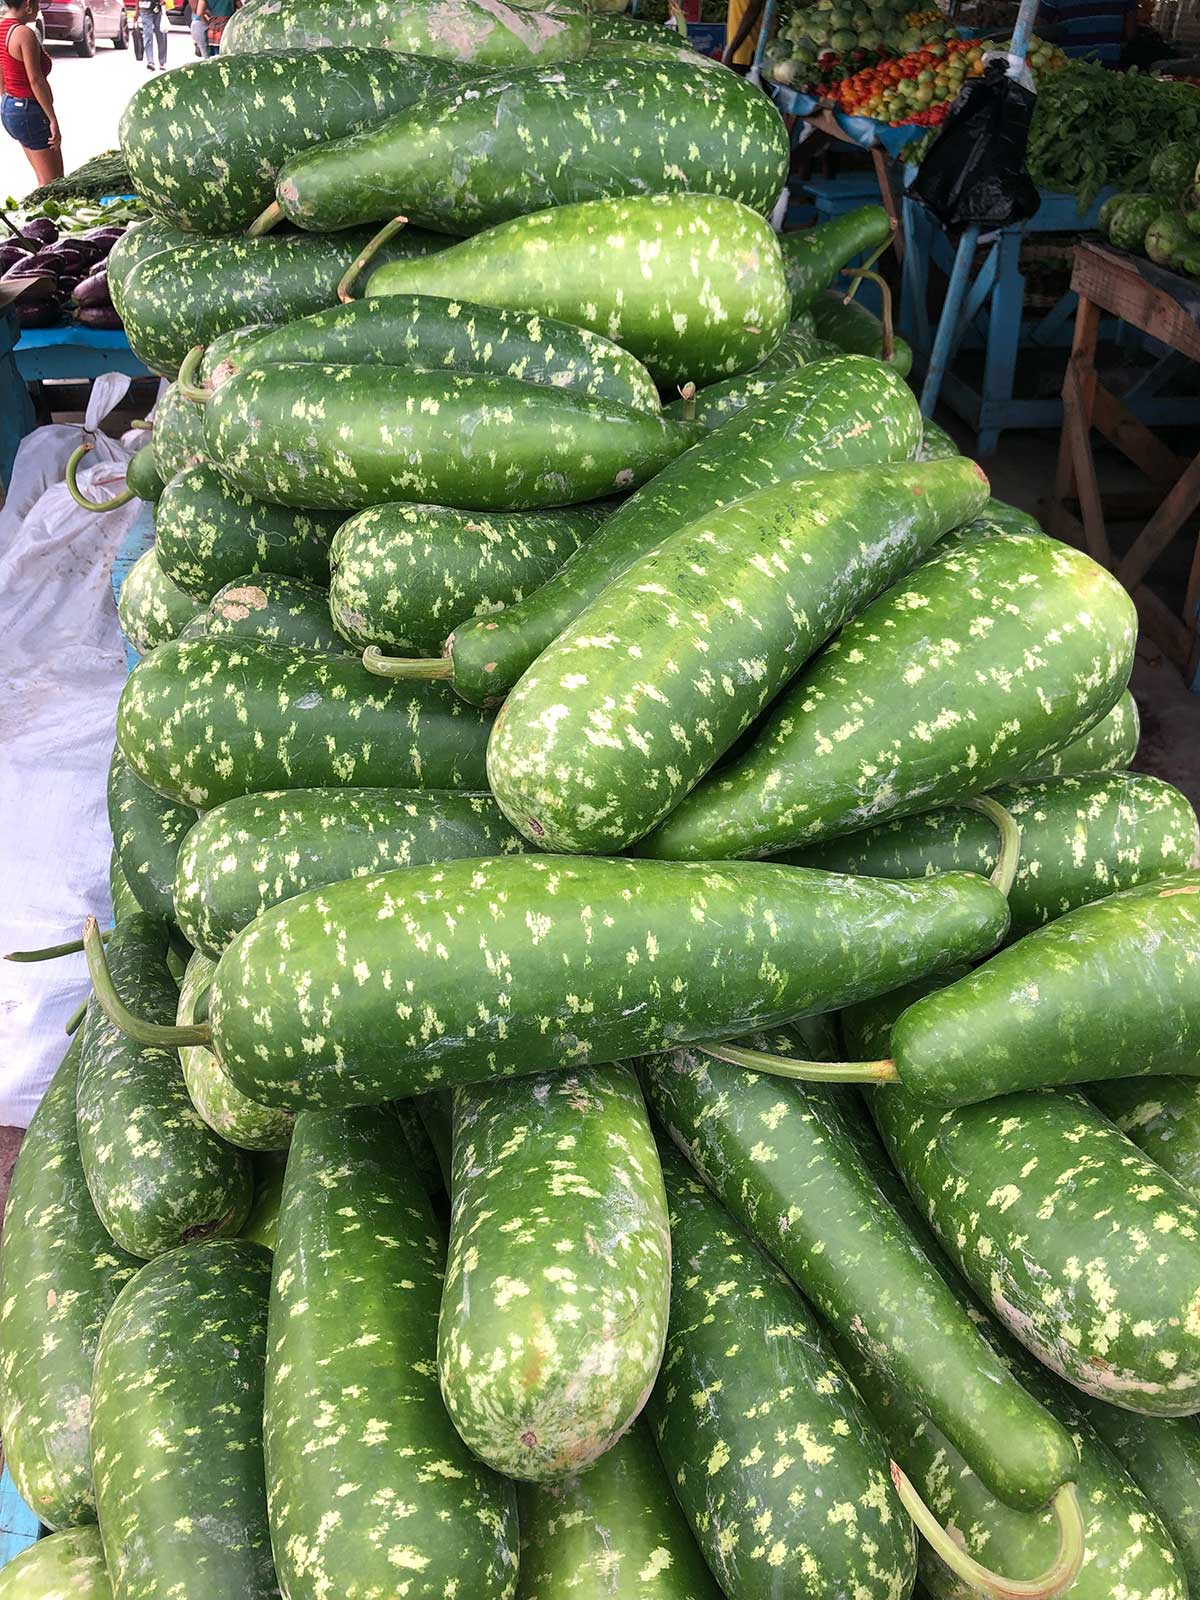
[(422, 670), (805, 1071)]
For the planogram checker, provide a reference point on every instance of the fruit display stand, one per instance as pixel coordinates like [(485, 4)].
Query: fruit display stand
[(983, 309), (1166, 309), (32, 355)]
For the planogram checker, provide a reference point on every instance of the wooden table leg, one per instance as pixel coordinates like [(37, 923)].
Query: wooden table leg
[(1166, 522), (1080, 383)]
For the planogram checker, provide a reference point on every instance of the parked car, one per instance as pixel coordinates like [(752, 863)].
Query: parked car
[(82, 22)]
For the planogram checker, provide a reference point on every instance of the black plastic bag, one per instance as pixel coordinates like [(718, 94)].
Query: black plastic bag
[(974, 172)]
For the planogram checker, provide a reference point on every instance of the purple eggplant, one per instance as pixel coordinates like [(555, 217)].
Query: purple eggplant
[(42, 286), (47, 315), (11, 254), (41, 229), (68, 286), (93, 291), (112, 232), (99, 317)]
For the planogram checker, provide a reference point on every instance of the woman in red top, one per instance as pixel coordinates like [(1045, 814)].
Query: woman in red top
[(27, 110)]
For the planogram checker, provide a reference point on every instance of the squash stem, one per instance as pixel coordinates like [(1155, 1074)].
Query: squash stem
[(201, 393), (114, 1008), (688, 395), (53, 951), (1005, 871), (1058, 1576), (142, 425), (77, 494), (888, 350), (424, 671), (74, 1020), (807, 1071), (866, 266), (265, 221), (345, 289)]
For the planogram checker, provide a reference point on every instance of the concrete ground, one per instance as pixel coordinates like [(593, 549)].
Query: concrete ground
[(89, 97)]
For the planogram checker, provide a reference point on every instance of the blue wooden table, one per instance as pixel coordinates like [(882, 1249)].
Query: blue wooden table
[(32, 355), (19, 1528)]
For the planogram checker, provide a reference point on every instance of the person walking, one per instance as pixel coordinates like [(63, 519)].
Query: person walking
[(198, 28), (27, 107), (150, 18), (216, 15)]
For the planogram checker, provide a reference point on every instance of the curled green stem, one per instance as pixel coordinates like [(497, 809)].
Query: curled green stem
[(265, 221), (53, 951), (345, 289), (422, 670), (186, 383), (688, 395), (888, 349), (1005, 871), (806, 1071), (114, 1008), (866, 266), (1058, 1576), (74, 1020), (77, 494)]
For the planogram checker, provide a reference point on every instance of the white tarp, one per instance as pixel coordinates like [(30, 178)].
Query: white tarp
[(61, 671)]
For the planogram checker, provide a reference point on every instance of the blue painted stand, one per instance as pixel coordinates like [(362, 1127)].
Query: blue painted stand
[(19, 1528), (985, 311), (34, 354)]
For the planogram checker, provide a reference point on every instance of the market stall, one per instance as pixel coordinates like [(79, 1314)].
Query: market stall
[(611, 1059)]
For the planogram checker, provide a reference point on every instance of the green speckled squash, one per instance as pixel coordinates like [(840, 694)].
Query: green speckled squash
[(1081, 839), (158, 1176), (188, 294), (141, 474), (508, 144), (785, 1160), (637, 699), (178, 436), (771, 1453), (177, 1427), (147, 833), (64, 1566), (211, 718), (966, 674), (692, 284), (59, 1274), (273, 609), (256, 112), (402, 576), (1108, 991), (251, 852), (1127, 1550), (615, 1532), (855, 330), (826, 417), (530, 963), (375, 433), (240, 1121), (1161, 1116), (124, 901), (936, 443), (140, 239), (1108, 745), (207, 534), (151, 608), (389, 1501), (262, 1225), (558, 1279), (485, 33), (420, 330), (812, 257)]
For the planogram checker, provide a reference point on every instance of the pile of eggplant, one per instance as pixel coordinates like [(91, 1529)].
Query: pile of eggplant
[(67, 271)]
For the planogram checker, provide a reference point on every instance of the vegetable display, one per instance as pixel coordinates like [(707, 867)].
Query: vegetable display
[(461, 1184)]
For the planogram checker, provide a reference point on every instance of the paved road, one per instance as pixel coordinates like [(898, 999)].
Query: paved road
[(90, 96)]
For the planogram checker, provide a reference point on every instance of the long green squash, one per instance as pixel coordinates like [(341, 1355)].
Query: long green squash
[(1081, 839), (485, 33), (256, 112), (1161, 1116), (147, 833), (177, 1427), (966, 674), (812, 257), (785, 1162), (152, 608), (371, 1491), (652, 683), (65, 1566), (59, 1273), (615, 1532), (692, 284), (272, 609), (558, 1281), (825, 417), (1108, 745), (771, 1453), (525, 963), (372, 433), (228, 1112), (513, 143), (207, 719)]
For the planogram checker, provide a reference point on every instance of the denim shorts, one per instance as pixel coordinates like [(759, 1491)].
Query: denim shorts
[(26, 122)]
